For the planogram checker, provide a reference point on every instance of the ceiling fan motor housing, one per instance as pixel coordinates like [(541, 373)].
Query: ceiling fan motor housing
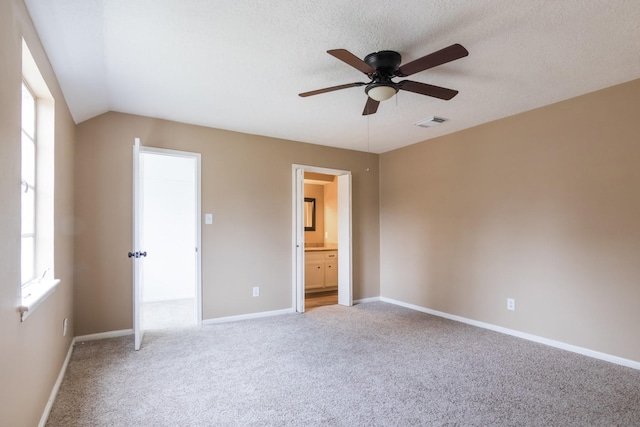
[(386, 63)]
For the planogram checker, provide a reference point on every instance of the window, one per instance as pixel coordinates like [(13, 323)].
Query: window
[(36, 186), (28, 186)]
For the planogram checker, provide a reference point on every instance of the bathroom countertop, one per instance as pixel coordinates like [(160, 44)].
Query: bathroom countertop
[(321, 248)]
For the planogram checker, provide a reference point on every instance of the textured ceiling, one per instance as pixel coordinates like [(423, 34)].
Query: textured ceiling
[(239, 65)]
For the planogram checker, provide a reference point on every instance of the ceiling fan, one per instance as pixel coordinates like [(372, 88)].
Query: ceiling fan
[(381, 67)]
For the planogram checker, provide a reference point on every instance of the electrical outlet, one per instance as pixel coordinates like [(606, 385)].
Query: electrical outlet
[(64, 327), (511, 304), (256, 291)]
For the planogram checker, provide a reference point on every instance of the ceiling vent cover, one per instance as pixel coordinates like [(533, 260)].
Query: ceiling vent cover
[(431, 122)]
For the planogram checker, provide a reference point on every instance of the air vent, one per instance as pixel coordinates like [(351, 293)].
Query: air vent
[(431, 122)]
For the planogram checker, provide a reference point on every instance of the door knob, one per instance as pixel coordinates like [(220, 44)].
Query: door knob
[(137, 254)]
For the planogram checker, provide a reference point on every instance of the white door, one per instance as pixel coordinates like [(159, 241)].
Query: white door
[(345, 293), (139, 252), (299, 238), (137, 255)]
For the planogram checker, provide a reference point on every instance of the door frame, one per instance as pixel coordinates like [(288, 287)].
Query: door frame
[(198, 227), (345, 268), (138, 330)]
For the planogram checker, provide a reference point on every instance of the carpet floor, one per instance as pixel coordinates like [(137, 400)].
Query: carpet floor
[(373, 364)]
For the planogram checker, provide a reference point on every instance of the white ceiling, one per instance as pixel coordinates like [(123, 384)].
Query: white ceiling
[(239, 65)]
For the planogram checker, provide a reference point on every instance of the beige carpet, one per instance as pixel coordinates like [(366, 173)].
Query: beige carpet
[(374, 364)]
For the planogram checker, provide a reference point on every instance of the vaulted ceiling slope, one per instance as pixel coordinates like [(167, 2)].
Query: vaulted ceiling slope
[(239, 65)]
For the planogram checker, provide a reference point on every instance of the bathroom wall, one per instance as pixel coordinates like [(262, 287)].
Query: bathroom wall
[(324, 188), (315, 191), (331, 212)]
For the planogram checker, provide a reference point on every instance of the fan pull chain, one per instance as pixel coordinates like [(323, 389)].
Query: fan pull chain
[(368, 142)]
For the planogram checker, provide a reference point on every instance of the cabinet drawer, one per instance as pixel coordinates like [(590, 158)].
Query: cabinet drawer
[(331, 255), (313, 256)]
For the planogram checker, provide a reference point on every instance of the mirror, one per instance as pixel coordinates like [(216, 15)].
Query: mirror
[(309, 214)]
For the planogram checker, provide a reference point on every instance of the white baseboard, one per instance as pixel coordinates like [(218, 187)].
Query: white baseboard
[(553, 343), (56, 386), (103, 335), (172, 298), (366, 300), (247, 316)]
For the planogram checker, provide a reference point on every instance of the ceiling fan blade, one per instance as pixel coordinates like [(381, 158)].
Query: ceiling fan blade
[(330, 89), (448, 54), (429, 90), (350, 59), (370, 107)]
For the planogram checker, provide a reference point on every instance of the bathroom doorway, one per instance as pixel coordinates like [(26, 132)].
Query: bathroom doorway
[(321, 251), (169, 209), (320, 240)]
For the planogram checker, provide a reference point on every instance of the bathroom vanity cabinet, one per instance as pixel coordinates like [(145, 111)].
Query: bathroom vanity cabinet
[(320, 270)]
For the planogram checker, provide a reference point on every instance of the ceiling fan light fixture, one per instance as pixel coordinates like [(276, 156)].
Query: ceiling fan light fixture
[(381, 92)]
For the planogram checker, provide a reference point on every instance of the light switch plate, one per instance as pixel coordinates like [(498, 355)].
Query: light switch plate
[(208, 218)]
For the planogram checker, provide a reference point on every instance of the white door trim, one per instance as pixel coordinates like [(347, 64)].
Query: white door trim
[(138, 329), (345, 293), (345, 277), (298, 239), (198, 248)]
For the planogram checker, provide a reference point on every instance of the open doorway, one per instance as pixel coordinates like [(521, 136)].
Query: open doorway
[(321, 237), (320, 240), (169, 209)]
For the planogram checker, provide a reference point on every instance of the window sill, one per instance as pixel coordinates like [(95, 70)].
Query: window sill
[(34, 293)]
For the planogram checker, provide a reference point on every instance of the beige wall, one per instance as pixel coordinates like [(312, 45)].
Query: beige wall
[(543, 207), (331, 212), (246, 184), (316, 191), (31, 353)]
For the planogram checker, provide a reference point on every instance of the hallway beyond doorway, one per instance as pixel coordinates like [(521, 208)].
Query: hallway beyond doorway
[(169, 314)]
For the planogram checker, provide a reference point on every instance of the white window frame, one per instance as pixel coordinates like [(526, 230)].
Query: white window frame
[(26, 186), (43, 282)]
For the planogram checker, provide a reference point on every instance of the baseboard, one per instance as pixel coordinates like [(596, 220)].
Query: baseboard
[(56, 386), (553, 343), (174, 298), (366, 300), (103, 335), (247, 316)]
